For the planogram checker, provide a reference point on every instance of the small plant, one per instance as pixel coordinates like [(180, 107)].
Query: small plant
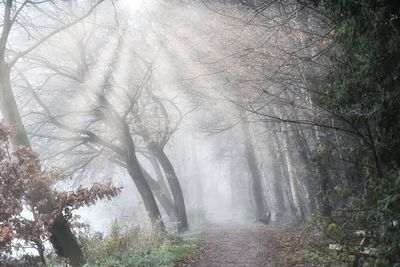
[(131, 244), (124, 236)]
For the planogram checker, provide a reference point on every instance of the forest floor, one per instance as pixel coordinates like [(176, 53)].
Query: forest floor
[(237, 245), (257, 245)]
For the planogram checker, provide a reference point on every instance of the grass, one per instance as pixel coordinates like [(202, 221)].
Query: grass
[(133, 245), (163, 256)]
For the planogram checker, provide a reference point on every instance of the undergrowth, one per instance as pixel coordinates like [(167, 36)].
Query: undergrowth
[(306, 245), (309, 245), (132, 245)]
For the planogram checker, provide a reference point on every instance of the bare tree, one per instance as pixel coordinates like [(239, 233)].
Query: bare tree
[(62, 239), (156, 143)]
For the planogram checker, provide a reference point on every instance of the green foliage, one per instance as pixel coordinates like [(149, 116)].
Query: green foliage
[(363, 92), (364, 87), (164, 255), (129, 244), (124, 236)]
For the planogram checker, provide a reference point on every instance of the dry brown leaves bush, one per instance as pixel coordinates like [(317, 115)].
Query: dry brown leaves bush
[(28, 187)]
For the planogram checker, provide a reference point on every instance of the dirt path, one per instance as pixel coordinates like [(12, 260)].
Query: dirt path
[(238, 245)]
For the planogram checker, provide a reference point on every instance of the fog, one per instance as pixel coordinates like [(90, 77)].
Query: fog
[(199, 133), (198, 80)]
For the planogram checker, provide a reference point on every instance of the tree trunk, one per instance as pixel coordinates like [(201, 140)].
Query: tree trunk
[(65, 243), (277, 189), (40, 249), (9, 109), (161, 194), (175, 187), (155, 187), (294, 186), (256, 182), (63, 240), (135, 170), (287, 188)]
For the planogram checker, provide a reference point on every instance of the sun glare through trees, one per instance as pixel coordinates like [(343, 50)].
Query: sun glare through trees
[(199, 133)]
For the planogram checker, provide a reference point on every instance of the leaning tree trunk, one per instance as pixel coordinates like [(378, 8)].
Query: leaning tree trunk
[(156, 188), (175, 187), (161, 182), (128, 154), (256, 182), (62, 238), (161, 194), (135, 170)]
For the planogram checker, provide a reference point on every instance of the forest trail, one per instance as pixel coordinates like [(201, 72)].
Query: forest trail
[(238, 245)]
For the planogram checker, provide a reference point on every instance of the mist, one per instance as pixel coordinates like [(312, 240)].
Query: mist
[(197, 133)]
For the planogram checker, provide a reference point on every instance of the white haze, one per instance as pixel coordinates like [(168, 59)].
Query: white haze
[(190, 47)]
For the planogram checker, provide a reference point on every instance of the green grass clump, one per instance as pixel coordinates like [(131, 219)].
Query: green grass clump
[(165, 255), (129, 244)]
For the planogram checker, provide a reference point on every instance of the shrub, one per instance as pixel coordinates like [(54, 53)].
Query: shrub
[(130, 244), (28, 187)]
